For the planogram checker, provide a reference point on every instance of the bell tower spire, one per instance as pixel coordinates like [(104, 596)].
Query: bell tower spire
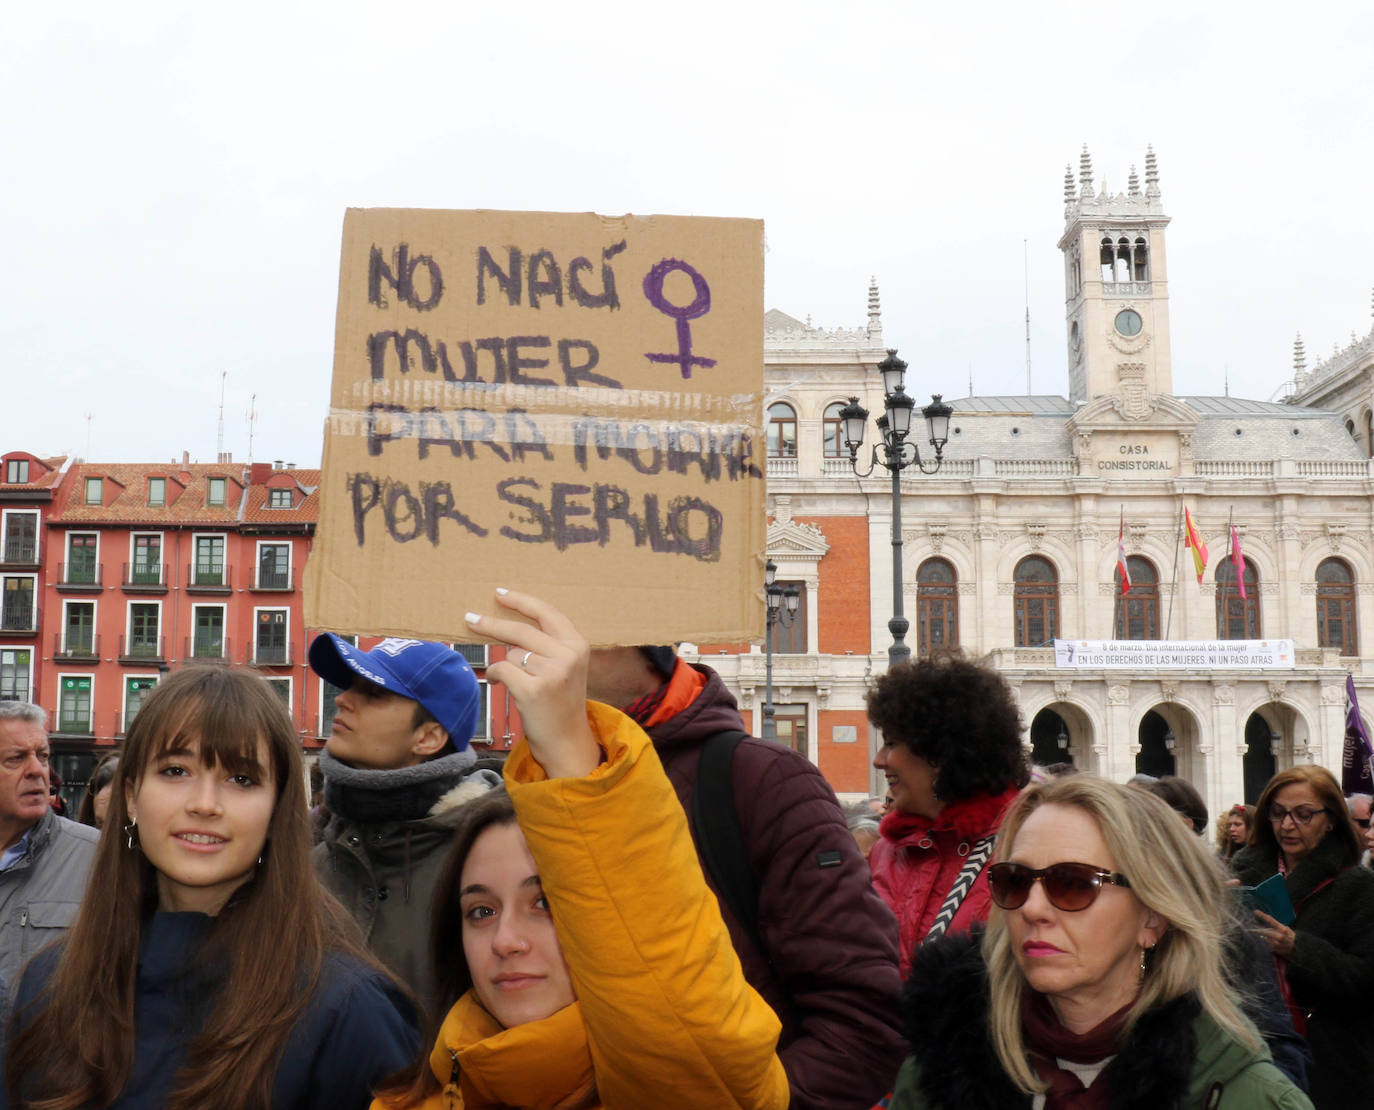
[(1116, 285)]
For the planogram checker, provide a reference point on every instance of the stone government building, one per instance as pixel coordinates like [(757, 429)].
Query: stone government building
[(1014, 542)]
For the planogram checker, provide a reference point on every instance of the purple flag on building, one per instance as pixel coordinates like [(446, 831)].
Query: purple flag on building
[(1355, 759)]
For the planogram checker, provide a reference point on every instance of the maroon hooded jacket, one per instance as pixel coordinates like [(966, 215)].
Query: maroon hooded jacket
[(830, 971)]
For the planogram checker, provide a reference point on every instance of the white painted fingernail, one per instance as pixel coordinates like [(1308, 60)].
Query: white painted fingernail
[(473, 618), (502, 591)]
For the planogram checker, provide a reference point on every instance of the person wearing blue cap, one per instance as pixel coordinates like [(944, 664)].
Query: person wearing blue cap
[(397, 768)]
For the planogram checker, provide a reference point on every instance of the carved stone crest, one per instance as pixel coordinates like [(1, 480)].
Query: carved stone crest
[(1134, 402)]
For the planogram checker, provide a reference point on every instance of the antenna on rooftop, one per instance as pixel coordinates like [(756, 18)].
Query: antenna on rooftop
[(219, 440), (89, 417), (1025, 272), (252, 423)]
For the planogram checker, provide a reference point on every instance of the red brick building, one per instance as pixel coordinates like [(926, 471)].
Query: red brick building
[(115, 574)]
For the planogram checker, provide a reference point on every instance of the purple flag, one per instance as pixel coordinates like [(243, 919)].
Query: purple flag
[(1355, 759)]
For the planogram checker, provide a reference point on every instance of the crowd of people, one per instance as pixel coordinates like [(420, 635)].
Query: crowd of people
[(646, 906)]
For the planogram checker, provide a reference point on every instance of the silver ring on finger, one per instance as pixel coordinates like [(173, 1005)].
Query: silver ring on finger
[(524, 662)]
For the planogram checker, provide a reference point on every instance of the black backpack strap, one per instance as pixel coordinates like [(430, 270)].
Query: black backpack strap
[(720, 843)]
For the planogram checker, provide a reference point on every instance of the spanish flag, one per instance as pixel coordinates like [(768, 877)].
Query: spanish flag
[(1193, 542)]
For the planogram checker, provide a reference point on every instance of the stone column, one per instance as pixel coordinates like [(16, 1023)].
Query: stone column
[(1223, 754)]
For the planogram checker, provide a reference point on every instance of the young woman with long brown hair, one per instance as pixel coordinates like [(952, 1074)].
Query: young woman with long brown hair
[(207, 969), (580, 953)]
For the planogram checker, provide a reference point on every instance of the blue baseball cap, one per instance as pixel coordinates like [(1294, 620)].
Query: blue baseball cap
[(432, 674)]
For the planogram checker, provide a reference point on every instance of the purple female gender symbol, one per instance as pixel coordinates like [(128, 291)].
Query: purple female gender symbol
[(653, 290)]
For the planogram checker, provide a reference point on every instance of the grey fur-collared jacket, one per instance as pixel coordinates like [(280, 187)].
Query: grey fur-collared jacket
[(40, 894)]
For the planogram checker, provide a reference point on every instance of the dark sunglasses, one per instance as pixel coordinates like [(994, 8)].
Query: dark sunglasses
[(1068, 886)]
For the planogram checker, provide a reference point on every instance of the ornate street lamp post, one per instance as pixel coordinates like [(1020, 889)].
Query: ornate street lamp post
[(782, 608), (896, 453)]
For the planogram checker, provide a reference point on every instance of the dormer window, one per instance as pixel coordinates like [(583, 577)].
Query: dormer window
[(95, 491), (216, 495), (279, 498), (17, 471), (157, 491)]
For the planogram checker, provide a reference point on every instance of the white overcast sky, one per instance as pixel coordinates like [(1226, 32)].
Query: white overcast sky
[(173, 178)]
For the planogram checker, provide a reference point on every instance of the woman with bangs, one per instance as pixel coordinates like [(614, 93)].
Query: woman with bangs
[(1099, 979), (207, 969)]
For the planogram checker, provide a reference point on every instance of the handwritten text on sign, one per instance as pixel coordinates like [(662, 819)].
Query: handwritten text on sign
[(517, 384)]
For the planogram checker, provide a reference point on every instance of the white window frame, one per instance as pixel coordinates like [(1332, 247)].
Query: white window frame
[(196, 537), (257, 559), (277, 679), (57, 713), (223, 629), (33, 605), (161, 553), (32, 649), (7, 514), (67, 603), (287, 646), (129, 619), (482, 735), (124, 694), (67, 547)]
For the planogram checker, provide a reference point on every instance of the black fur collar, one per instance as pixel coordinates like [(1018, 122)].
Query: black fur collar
[(945, 1007)]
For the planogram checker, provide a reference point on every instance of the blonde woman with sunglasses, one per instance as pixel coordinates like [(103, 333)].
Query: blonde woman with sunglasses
[(1098, 982), (1325, 954)]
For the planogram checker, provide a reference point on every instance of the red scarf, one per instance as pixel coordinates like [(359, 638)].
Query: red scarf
[(1050, 1042), (972, 818)]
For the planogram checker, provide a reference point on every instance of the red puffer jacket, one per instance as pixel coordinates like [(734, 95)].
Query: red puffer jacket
[(917, 860)]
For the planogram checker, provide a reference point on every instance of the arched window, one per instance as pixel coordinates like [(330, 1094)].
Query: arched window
[(832, 431), (1369, 434), (1141, 261), (937, 606), (1238, 618), (1336, 607), (782, 431), (1036, 598), (1138, 615)]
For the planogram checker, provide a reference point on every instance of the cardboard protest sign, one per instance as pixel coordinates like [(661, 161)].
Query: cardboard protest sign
[(565, 404)]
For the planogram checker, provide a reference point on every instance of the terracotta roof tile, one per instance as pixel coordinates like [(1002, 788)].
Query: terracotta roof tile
[(129, 505)]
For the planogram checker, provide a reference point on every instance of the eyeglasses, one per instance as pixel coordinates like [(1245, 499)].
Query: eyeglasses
[(1302, 815), (1068, 886)]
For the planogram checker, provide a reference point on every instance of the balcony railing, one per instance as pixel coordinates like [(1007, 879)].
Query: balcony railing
[(80, 645), (80, 576), (273, 655), (141, 649), (273, 580), (21, 550), (207, 647), (209, 578), (18, 616), (144, 577), (74, 720)]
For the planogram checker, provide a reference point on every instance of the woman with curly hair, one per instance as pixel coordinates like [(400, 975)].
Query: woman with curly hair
[(954, 762)]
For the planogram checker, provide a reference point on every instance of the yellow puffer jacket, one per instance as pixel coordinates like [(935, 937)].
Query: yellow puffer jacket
[(664, 1014)]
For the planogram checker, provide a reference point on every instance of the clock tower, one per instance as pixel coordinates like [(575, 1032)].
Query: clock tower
[(1116, 286)]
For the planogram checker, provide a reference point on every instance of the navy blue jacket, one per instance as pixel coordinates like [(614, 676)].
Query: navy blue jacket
[(356, 1030)]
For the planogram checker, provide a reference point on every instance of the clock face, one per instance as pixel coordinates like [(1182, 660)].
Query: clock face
[(1128, 322)]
